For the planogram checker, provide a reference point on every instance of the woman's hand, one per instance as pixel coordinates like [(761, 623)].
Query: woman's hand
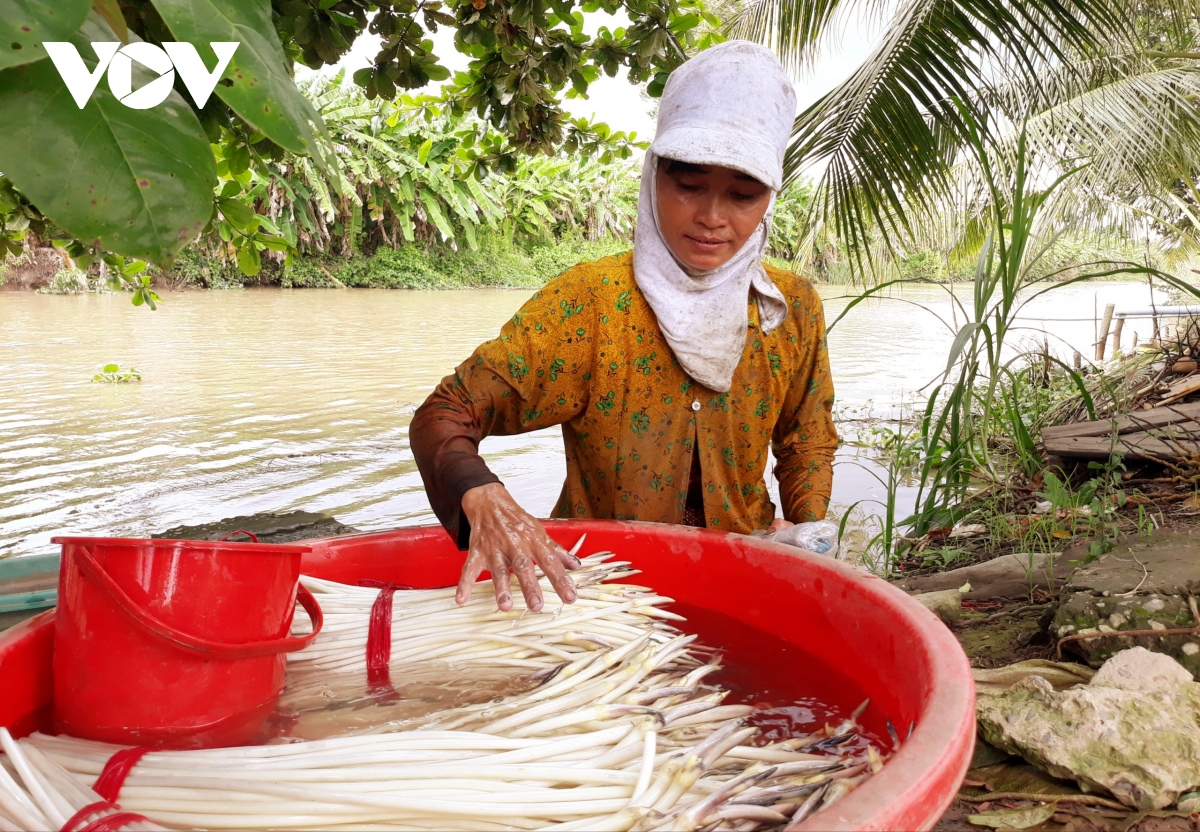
[(779, 524), (504, 538)]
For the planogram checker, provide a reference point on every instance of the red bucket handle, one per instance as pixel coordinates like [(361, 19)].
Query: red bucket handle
[(196, 644), (250, 535)]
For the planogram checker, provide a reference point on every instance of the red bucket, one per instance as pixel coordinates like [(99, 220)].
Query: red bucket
[(174, 643)]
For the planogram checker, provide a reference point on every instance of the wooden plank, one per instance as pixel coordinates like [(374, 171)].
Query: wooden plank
[(1139, 445), (1139, 421), (1182, 384), (1182, 389)]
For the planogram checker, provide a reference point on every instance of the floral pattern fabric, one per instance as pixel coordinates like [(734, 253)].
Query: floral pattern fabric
[(586, 353)]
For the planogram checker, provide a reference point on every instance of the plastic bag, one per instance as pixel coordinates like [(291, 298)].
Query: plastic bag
[(819, 537)]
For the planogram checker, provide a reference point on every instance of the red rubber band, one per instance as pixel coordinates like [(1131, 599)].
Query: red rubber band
[(113, 822), (112, 777), (379, 639), (90, 809)]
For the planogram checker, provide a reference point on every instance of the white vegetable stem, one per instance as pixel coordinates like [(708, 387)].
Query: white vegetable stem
[(615, 730)]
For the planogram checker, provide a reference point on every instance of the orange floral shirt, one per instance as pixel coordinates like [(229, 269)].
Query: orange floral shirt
[(586, 353)]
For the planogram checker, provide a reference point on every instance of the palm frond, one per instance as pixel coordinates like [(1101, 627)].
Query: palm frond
[(889, 136)]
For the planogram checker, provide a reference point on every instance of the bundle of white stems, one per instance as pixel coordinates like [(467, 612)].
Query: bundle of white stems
[(621, 733), (37, 793), (428, 625)]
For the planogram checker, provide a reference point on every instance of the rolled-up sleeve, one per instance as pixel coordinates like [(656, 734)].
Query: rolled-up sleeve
[(518, 382)]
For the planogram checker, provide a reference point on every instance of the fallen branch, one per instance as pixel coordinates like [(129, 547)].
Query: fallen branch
[(1002, 613), (1087, 799)]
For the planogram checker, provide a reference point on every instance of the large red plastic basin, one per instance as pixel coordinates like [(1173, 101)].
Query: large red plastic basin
[(887, 644)]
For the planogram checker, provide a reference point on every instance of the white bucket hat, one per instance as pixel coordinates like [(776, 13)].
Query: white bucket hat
[(731, 105)]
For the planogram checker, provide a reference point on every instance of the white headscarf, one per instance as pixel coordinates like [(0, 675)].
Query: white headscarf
[(732, 106)]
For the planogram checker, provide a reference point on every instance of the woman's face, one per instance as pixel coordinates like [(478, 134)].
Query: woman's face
[(706, 212)]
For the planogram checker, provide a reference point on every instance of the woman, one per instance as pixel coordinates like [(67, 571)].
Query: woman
[(671, 370)]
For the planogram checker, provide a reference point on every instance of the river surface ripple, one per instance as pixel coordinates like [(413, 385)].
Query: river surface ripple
[(275, 400)]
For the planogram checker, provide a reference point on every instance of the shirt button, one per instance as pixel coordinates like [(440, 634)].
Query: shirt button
[(696, 404)]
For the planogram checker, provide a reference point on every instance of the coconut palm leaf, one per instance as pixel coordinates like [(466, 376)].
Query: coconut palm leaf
[(888, 137), (1130, 120)]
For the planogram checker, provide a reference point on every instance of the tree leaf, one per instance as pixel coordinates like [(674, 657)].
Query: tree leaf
[(139, 182), (238, 159), (238, 213), (434, 211), (248, 259), (110, 10), (1022, 818), (24, 24), (262, 92)]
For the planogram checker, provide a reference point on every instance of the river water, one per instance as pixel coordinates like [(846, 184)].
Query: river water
[(274, 400)]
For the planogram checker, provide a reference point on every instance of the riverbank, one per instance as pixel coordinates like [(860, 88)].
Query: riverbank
[(498, 262), (1075, 543)]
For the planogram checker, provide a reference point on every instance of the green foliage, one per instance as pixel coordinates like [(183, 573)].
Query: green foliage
[(257, 83), (979, 399), (1109, 81), (194, 268), (787, 225), (67, 282), (410, 172), (140, 183), (884, 550), (496, 263), (549, 259), (407, 267), (309, 273), (923, 265), (113, 374), (27, 23), (16, 216), (962, 412)]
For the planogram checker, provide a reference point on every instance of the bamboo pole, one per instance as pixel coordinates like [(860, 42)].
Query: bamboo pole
[(1116, 344), (1105, 323)]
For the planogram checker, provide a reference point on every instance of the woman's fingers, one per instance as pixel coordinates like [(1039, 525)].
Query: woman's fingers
[(498, 565), (552, 558), (522, 567), (564, 557), (470, 574)]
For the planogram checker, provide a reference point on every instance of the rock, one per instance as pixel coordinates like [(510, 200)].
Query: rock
[(1139, 669), (1160, 562), (1008, 576), (1085, 612), (268, 527), (946, 604), (1142, 745)]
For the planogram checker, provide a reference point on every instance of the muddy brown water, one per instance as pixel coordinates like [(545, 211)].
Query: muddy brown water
[(270, 400)]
